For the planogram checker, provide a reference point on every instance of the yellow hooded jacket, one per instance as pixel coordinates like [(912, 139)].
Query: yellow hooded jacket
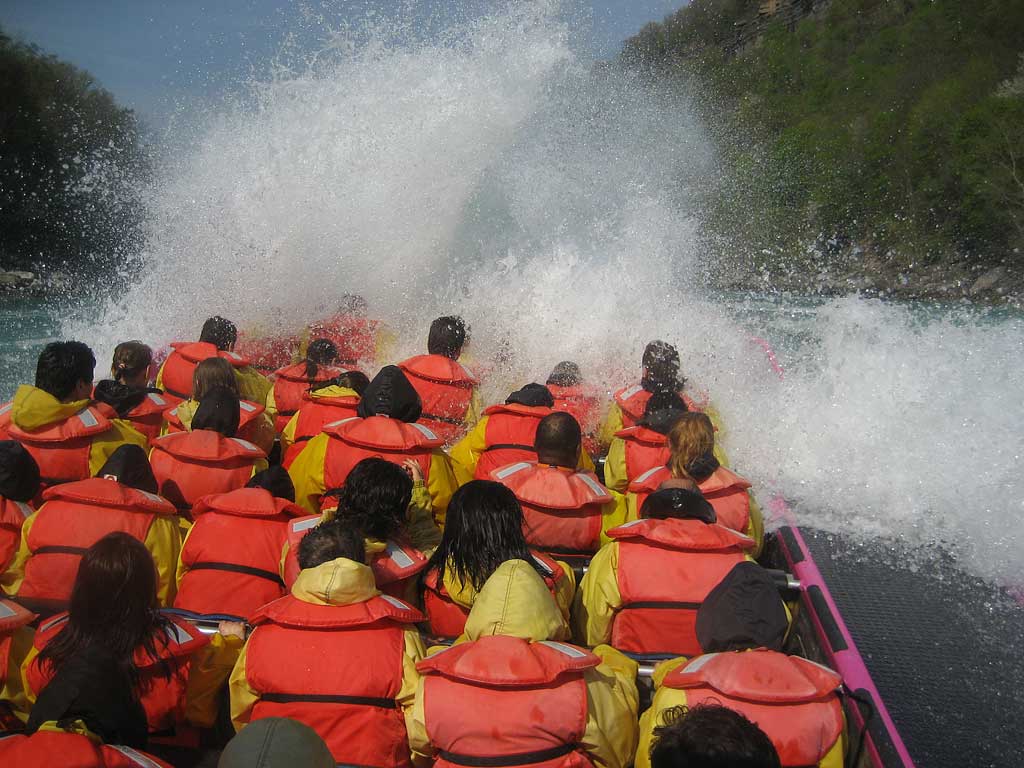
[(515, 602), (288, 435)]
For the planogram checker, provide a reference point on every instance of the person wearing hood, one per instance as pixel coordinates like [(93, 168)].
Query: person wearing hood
[(19, 484), (68, 435), (292, 381), (74, 516), (692, 458), (741, 627), (505, 434), (209, 459), (127, 390), (332, 401), (643, 589), (636, 449), (553, 704), (447, 390), (276, 742), (217, 339), (385, 427), (335, 654), (573, 395), (230, 559)]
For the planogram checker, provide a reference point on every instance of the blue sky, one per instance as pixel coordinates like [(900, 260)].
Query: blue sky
[(156, 55)]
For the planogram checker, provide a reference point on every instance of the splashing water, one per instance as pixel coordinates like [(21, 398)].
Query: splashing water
[(492, 172)]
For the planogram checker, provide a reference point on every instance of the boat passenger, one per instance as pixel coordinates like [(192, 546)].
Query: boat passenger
[(385, 427), (19, 484), (642, 590), (128, 392), (217, 339), (448, 392), (209, 459), (68, 435), (551, 703), (565, 510), (293, 381), (335, 654), (74, 516), (572, 396), (359, 339), (276, 742), (484, 529), (710, 735), (254, 424), (114, 606), (741, 628), (692, 445), (332, 401), (643, 446)]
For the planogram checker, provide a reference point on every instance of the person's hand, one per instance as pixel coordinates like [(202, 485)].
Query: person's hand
[(413, 468), (232, 629)]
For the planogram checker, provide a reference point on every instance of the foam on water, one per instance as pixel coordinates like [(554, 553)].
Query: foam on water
[(493, 172)]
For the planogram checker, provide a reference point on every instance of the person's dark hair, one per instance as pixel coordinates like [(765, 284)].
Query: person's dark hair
[(219, 412), (375, 498), (130, 359), (743, 611), (390, 394), (19, 473), (276, 480), (661, 368), (329, 541), (533, 395), (357, 381), (483, 529), (447, 336), (220, 332), (113, 606), (662, 411), (678, 503), (558, 439), (62, 366), (566, 374), (121, 397), (320, 352), (211, 373), (129, 465), (711, 736)]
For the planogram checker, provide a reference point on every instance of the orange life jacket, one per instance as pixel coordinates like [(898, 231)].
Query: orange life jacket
[(509, 436), (447, 619), (61, 449), (148, 416), (354, 337), (791, 699), (290, 385), (561, 507), (71, 749), (182, 362), (644, 449), (248, 419), (446, 391), (724, 489), (163, 698), (350, 701), (534, 695), (633, 400), (12, 516), (73, 518), (222, 577), (12, 618), (314, 414), (585, 408), (188, 465), (666, 569), (267, 353)]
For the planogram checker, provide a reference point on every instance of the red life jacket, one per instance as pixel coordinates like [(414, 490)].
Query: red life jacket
[(72, 750), (561, 507), (446, 390), (290, 385), (666, 569), (163, 698), (188, 465), (645, 449), (267, 353), (222, 577), (314, 414), (509, 436), (148, 416), (355, 439), (585, 408), (724, 489), (73, 518), (447, 619), (12, 516), (248, 419), (791, 699), (61, 449), (181, 364), (633, 400), (354, 337), (350, 701), (534, 696)]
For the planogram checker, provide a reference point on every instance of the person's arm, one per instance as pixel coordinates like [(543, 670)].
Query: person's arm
[(615, 476), (612, 702), (271, 404), (565, 589), (209, 669), (475, 408), (307, 473), (15, 573), (598, 598), (466, 453), (416, 726), (441, 485), (105, 443), (243, 695), (252, 385), (613, 514), (163, 540), (406, 698), (585, 462), (288, 434), (420, 527), (612, 423)]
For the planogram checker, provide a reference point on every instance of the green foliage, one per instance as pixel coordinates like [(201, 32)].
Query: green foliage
[(69, 158)]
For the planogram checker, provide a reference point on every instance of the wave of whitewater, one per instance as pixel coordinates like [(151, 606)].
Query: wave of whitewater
[(492, 172)]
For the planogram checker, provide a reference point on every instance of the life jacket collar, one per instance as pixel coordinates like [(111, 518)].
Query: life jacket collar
[(383, 433), (247, 502), (440, 369), (683, 534), (109, 493), (207, 446), (503, 661)]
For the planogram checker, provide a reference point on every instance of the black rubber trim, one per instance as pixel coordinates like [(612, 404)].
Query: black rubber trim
[(523, 758), (328, 698), (879, 734), (55, 550), (796, 553), (828, 621), (235, 568)]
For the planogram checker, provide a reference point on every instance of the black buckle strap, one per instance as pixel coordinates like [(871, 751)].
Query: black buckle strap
[(522, 758), (328, 698), (57, 550), (235, 568)]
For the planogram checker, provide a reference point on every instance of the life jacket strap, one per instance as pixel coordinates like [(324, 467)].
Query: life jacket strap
[(59, 550), (328, 698), (661, 605), (522, 758), (509, 447), (179, 395), (235, 568)]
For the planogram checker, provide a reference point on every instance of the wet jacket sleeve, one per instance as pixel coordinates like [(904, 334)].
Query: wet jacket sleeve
[(475, 407), (15, 573), (422, 530), (243, 695), (159, 381), (163, 540), (615, 476), (415, 725), (13, 690), (307, 473), (288, 434), (209, 670), (466, 453), (252, 385), (565, 589), (613, 514), (441, 484), (612, 702), (29, 676), (105, 443), (271, 403), (612, 423), (585, 461), (407, 698), (598, 598)]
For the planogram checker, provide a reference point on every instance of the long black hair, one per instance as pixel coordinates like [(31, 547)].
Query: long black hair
[(113, 606), (661, 368), (320, 352), (375, 498), (483, 529)]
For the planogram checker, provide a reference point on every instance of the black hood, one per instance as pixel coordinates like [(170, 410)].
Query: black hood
[(276, 480), (19, 473), (678, 503), (130, 465), (536, 395), (702, 467), (662, 411), (390, 394), (120, 397), (743, 611)]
